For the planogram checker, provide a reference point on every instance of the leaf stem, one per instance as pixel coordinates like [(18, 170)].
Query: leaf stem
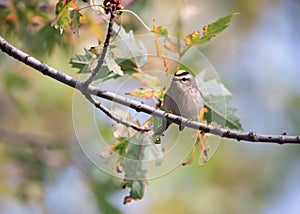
[(136, 16)]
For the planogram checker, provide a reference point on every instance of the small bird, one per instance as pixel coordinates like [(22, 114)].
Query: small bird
[(183, 98)]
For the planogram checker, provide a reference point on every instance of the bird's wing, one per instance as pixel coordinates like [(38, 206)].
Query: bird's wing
[(170, 105)]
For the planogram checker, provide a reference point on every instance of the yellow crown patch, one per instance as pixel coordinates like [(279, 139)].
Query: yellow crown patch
[(181, 73)]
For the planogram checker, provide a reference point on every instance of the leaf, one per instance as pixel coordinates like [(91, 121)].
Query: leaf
[(81, 61), (147, 79), (193, 38), (63, 15), (217, 97), (211, 86), (122, 131), (159, 30), (217, 27), (135, 167), (120, 146), (144, 93), (112, 64), (219, 113), (137, 153), (73, 4), (152, 87), (75, 21), (59, 7), (209, 31), (160, 51), (136, 192), (112, 67), (203, 147), (125, 56), (127, 47)]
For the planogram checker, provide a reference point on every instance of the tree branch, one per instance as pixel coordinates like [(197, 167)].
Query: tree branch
[(139, 106), (61, 77)]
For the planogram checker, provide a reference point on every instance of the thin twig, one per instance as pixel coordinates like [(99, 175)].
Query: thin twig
[(104, 51), (139, 106), (114, 117), (138, 18)]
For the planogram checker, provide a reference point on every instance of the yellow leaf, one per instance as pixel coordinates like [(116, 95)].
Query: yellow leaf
[(142, 93), (192, 38)]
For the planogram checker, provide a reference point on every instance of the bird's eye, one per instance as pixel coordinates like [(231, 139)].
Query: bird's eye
[(184, 79)]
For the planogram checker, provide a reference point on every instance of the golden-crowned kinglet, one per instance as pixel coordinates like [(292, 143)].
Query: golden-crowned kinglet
[(183, 98)]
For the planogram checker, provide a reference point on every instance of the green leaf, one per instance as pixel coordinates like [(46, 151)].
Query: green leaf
[(211, 86), (81, 61), (62, 18), (140, 154), (217, 97), (125, 55), (127, 47), (59, 7), (66, 13), (219, 113), (193, 38), (209, 31), (218, 26), (75, 21), (137, 154), (137, 190), (112, 65), (159, 30), (120, 146)]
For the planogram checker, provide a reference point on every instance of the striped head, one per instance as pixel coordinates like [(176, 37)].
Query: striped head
[(184, 80)]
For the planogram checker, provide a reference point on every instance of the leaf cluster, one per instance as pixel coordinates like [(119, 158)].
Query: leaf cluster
[(28, 23)]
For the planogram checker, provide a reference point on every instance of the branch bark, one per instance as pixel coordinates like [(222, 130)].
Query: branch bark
[(104, 51), (139, 106)]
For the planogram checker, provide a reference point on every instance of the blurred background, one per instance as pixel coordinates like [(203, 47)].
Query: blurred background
[(42, 167)]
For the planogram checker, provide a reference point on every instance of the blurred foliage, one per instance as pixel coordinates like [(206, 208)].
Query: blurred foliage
[(28, 24)]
